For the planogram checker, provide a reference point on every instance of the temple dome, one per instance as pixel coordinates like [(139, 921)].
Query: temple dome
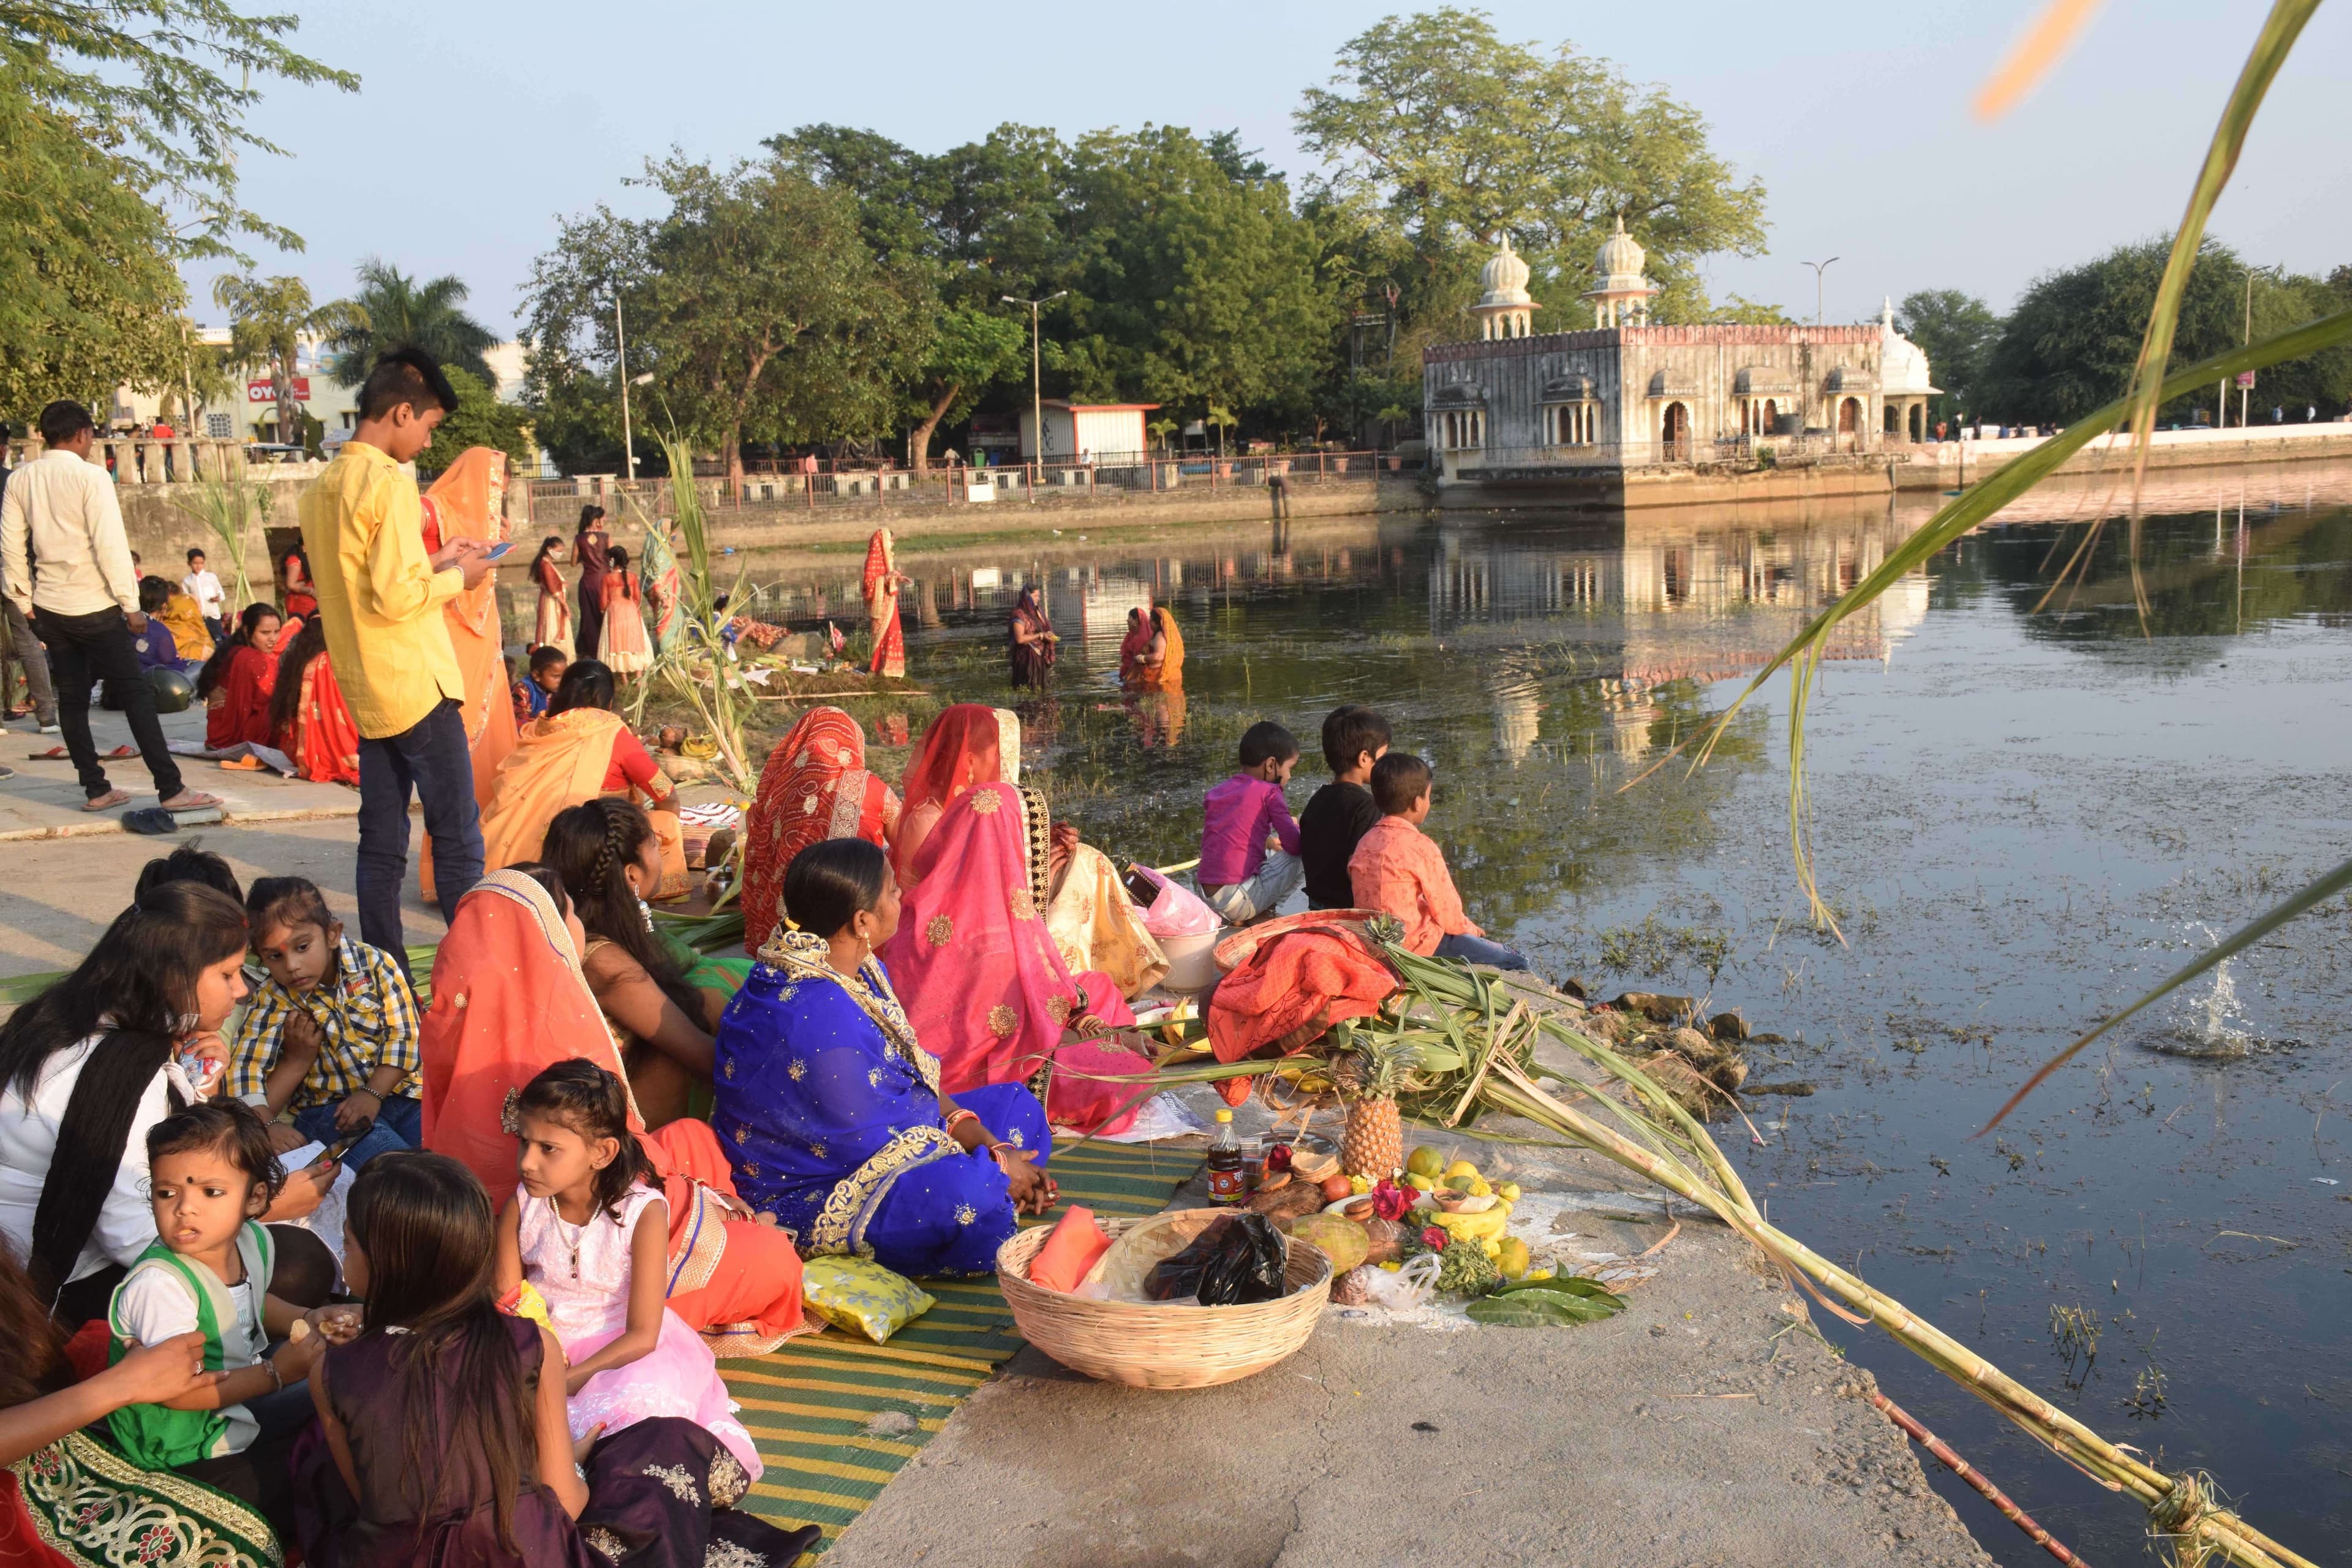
[(1503, 278), (1621, 255), (1902, 366)]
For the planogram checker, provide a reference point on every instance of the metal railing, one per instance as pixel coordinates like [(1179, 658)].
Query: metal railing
[(1133, 477)]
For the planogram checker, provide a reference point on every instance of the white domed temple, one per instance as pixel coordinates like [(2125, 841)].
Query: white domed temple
[(1580, 411)]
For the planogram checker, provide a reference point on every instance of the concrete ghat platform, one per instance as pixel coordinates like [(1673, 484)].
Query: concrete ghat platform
[(44, 801), (1700, 1426)]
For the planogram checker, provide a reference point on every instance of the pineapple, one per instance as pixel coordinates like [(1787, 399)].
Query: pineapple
[(1373, 1143)]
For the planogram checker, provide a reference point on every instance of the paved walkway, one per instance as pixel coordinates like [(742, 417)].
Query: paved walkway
[(43, 801)]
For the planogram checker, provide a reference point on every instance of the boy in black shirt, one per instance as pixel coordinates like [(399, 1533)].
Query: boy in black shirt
[(1354, 738)]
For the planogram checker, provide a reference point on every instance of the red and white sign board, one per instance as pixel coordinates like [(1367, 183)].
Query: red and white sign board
[(264, 392)]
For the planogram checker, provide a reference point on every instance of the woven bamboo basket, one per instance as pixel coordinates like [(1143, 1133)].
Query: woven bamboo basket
[(1151, 1346)]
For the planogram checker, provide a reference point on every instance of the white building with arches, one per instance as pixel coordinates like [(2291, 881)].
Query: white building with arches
[(1515, 406)]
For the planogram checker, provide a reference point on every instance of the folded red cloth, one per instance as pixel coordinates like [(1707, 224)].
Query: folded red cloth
[(1294, 987), (1070, 1252)]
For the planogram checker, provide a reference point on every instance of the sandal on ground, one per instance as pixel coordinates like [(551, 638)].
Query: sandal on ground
[(191, 800), (244, 764), (108, 801)]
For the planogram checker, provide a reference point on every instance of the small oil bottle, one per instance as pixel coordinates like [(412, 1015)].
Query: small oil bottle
[(1226, 1183)]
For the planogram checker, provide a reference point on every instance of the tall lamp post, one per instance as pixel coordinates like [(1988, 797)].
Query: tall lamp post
[(621, 367), (1818, 267), (1036, 393)]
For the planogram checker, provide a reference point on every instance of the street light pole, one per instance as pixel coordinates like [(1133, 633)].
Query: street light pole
[(1818, 267), (621, 342), (1037, 384)]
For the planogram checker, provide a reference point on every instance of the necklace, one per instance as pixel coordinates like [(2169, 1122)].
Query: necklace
[(578, 1233)]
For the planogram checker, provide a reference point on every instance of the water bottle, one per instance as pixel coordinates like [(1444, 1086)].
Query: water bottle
[(1225, 1183)]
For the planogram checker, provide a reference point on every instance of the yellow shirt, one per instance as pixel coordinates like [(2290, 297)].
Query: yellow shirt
[(378, 594)]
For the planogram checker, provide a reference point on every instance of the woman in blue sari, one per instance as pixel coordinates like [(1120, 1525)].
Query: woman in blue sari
[(830, 1112)]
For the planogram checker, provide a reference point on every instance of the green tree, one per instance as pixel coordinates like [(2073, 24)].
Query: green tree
[(144, 79), (754, 302), (88, 297), (976, 223), (1741, 311), (479, 420), (1956, 332), (270, 318), (2069, 346), (1191, 286), (399, 311), (1440, 138)]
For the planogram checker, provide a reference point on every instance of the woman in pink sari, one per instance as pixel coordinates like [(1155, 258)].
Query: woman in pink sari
[(984, 985)]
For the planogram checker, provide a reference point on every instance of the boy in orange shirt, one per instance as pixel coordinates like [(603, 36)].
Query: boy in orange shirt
[(1398, 870)]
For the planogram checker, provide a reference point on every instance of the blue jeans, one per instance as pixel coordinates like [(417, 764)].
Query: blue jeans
[(431, 760), (399, 1125), (1478, 950)]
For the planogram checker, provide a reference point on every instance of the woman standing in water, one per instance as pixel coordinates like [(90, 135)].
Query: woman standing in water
[(1031, 641), (881, 588)]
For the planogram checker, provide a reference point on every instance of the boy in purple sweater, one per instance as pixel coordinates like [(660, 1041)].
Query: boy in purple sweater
[(1238, 877)]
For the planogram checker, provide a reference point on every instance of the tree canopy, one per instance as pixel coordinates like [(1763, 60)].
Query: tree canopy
[(1956, 331), (397, 311), (270, 318), (1440, 138), (479, 420)]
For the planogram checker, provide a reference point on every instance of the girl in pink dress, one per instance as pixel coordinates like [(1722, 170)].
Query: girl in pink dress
[(588, 1233)]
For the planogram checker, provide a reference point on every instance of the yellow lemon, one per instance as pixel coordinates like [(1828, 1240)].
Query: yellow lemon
[(1460, 1168), (1424, 1162), (1512, 1259)]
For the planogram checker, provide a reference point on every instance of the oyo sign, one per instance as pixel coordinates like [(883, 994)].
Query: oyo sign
[(297, 387)]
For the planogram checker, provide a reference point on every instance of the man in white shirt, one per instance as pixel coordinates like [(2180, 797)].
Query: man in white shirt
[(20, 647), (211, 603), (65, 566)]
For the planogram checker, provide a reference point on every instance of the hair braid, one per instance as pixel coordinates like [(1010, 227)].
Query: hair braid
[(608, 856)]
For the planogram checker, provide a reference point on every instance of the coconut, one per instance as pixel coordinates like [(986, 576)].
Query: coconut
[(1352, 1289), (1384, 1239), (1343, 1241)]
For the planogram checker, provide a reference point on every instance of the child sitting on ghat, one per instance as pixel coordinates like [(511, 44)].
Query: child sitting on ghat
[(548, 664), (211, 1177), (1335, 820), (339, 1005), (1398, 870), (1240, 879)]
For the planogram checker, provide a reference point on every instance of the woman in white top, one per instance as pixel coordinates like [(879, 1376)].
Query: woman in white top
[(90, 1066)]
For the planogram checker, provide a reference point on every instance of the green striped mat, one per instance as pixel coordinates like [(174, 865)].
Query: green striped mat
[(809, 1406)]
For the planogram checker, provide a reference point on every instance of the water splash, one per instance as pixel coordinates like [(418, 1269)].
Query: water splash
[(2206, 1027)]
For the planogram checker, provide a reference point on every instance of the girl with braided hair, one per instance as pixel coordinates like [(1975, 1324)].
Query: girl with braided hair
[(661, 998)]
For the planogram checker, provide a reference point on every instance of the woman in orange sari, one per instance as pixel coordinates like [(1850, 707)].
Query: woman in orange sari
[(468, 501), (508, 1000), (313, 724), (580, 750), (966, 745), (1160, 666), (882, 582), (815, 786)]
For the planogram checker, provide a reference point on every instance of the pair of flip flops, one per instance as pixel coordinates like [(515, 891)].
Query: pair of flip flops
[(60, 754)]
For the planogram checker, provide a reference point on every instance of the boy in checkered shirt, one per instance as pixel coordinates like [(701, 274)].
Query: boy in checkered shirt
[(330, 1035)]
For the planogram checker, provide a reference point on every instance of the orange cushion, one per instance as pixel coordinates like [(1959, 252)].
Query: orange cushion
[(1073, 1248)]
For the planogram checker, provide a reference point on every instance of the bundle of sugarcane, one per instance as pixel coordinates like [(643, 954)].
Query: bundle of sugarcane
[(1454, 1042)]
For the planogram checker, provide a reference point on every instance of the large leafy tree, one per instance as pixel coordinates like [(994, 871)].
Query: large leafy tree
[(754, 303), (1440, 138), (121, 125), (270, 317), (1195, 281), (479, 420), (397, 311), (2070, 345), (1956, 331), (163, 87), (88, 298)]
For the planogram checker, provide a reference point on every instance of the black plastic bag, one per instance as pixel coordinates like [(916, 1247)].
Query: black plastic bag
[(1237, 1260)]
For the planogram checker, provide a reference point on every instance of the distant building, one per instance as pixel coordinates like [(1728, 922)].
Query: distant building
[(1098, 431), (1626, 394), (250, 413)]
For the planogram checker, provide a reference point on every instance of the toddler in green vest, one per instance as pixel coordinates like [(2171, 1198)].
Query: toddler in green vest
[(211, 1176)]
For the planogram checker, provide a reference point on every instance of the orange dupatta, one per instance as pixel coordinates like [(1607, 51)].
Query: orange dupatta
[(468, 501)]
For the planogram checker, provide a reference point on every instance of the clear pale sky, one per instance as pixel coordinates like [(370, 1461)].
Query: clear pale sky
[(476, 125)]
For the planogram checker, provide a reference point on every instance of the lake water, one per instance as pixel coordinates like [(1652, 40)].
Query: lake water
[(2023, 820)]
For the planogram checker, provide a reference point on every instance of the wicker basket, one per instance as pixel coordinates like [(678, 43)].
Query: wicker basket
[(1151, 1346)]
